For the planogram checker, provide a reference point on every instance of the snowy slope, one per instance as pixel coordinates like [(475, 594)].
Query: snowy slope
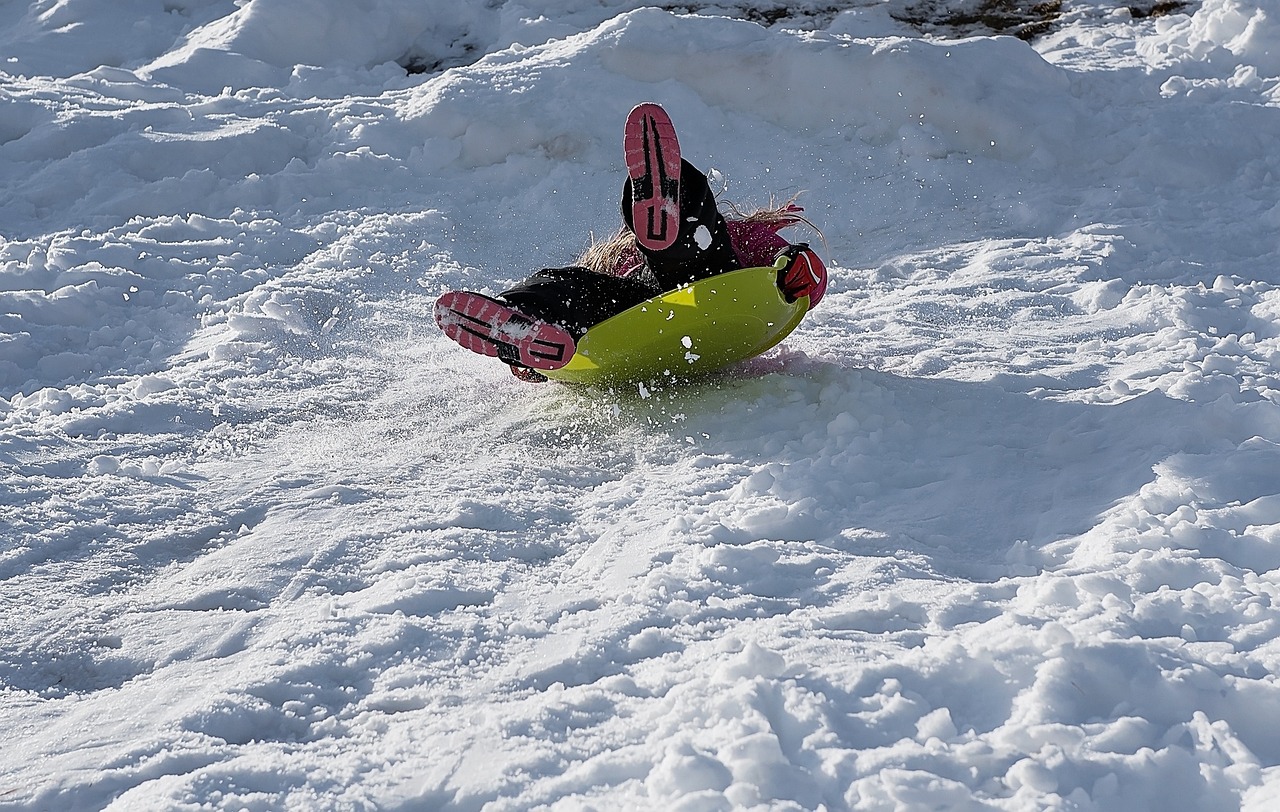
[(997, 528)]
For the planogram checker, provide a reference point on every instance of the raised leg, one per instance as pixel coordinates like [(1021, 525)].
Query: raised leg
[(668, 204)]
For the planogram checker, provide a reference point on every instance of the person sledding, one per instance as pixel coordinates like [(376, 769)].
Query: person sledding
[(672, 235)]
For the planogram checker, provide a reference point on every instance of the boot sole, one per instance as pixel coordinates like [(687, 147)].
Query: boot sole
[(489, 327), (653, 161)]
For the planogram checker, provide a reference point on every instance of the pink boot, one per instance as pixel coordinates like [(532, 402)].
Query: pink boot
[(498, 330), (653, 162)]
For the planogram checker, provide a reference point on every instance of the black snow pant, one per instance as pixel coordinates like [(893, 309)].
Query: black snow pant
[(578, 298)]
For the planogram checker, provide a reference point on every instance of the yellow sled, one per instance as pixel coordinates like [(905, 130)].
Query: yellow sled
[(689, 331)]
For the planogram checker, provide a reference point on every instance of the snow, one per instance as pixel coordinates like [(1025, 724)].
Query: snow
[(997, 528)]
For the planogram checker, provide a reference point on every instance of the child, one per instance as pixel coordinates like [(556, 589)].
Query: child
[(672, 235)]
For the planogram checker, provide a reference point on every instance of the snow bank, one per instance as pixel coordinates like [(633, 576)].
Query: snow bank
[(1234, 34)]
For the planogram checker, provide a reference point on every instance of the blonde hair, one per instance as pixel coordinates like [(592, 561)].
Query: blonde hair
[(612, 255), (778, 216)]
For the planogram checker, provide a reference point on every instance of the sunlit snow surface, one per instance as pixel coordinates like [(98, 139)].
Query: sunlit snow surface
[(997, 528)]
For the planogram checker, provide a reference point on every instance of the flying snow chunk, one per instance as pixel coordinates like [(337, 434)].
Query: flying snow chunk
[(703, 237)]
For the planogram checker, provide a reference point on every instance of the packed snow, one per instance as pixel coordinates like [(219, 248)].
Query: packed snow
[(998, 527)]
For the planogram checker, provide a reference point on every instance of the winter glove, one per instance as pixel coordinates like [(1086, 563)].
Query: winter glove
[(801, 273), (527, 375)]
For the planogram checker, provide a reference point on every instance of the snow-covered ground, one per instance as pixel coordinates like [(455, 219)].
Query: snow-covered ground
[(997, 528)]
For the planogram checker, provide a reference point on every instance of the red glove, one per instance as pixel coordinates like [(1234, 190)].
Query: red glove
[(803, 273), (527, 375)]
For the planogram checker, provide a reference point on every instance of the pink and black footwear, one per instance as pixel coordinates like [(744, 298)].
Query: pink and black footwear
[(496, 329), (653, 162)]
